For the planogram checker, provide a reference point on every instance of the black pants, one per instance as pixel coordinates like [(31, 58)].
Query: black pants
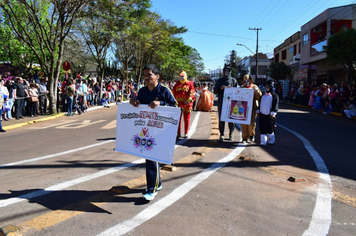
[(43, 104), (152, 176), (19, 103), (32, 108), (222, 124), (266, 124)]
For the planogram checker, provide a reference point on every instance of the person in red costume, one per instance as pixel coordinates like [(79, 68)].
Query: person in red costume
[(183, 92)]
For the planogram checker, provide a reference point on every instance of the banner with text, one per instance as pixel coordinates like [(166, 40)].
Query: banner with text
[(237, 105), (146, 132)]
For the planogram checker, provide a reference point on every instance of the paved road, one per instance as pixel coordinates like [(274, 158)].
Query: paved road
[(56, 178)]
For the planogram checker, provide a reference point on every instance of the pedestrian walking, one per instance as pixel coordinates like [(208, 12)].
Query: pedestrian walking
[(153, 94), (267, 114), (226, 81)]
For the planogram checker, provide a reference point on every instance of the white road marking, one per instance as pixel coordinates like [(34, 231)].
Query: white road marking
[(171, 198), (60, 186), (81, 125), (321, 218), (191, 131), (46, 125), (111, 125), (319, 224), (55, 155)]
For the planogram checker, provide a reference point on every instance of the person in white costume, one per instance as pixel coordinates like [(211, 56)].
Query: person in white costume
[(267, 114)]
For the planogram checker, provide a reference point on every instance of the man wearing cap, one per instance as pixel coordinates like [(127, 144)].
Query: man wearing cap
[(226, 81), (267, 114)]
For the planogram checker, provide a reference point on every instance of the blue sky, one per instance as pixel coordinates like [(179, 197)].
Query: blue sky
[(214, 27)]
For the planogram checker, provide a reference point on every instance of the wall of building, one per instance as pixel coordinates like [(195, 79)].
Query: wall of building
[(288, 50)]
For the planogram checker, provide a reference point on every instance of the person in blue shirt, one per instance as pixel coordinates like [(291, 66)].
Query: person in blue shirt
[(104, 101), (153, 94)]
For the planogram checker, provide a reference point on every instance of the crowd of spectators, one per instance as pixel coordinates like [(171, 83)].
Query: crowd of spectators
[(28, 96), (75, 94), (325, 97), (24, 96)]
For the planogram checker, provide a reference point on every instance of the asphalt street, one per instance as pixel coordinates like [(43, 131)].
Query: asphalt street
[(60, 176)]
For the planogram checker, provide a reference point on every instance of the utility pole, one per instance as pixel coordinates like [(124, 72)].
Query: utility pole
[(256, 51)]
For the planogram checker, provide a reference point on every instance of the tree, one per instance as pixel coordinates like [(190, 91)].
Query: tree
[(279, 71), (341, 49), (233, 60), (196, 62), (154, 40), (43, 25), (13, 50), (103, 20), (76, 52)]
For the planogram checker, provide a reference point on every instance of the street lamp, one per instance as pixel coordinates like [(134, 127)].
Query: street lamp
[(239, 44)]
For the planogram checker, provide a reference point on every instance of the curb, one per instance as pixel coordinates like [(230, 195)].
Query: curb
[(49, 117), (309, 108)]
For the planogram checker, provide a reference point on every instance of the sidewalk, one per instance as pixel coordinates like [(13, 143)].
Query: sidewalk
[(339, 114), (13, 124)]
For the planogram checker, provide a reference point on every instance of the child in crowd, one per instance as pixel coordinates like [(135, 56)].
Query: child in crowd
[(350, 111), (76, 107), (104, 101)]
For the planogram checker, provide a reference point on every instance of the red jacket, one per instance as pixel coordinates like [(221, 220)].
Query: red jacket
[(184, 94)]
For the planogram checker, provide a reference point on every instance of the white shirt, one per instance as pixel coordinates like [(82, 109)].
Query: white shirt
[(266, 104)]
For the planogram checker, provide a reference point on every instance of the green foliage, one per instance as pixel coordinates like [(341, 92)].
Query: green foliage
[(156, 41), (279, 71), (341, 49), (13, 48), (103, 21), (41, 26), (38, 31)]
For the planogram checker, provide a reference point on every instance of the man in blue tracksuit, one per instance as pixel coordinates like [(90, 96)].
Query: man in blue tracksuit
[(153, 94)]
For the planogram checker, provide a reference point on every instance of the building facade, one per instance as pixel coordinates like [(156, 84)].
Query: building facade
[(314, 36), (248, 66)]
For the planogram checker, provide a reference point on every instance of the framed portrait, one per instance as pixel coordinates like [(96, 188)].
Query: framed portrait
[(237, 105)]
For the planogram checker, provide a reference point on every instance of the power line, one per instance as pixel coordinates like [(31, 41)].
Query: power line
[(229, 36), (265, 22), (220, 35), (259, 15), (279, 32)]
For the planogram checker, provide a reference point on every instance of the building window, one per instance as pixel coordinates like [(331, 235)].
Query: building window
[(305, 39), (295, 50), (284, 54), (318, 47), (276, 57)]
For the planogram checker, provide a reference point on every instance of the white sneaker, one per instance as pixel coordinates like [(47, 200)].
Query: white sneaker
[(149, 196)]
